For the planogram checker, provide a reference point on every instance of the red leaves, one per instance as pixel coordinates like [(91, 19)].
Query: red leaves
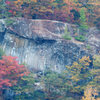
[(8, 2), (10, 11), (53, 10), (2, 62), (10, 71)]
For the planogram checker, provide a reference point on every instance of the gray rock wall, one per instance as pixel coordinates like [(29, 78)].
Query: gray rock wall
[(39, 44)]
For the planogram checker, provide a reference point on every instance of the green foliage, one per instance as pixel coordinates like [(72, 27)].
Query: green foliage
[(24, 64), (1, 53), (74, 79), (88, 47), (83, 23), (9, 21), (24, 88), (56, 85), (95, 71), (80, 38), (39, 95), (67, 37), (66, 34)]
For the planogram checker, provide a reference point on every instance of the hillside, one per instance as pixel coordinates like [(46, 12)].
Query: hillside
[(49, 49), (44, 41)]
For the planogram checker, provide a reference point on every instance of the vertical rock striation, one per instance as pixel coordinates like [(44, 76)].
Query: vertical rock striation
[(39, 44)]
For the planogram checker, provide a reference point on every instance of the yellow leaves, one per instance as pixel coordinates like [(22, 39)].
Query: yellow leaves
[(67, 66), (34, 0), (75, 63), (75, 78), (86, 64), (78, 66), (84, 59), (77, 87), (20, 2), (90, 93)]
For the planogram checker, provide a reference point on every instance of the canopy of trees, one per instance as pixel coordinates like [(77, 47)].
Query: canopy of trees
[(61, 10)]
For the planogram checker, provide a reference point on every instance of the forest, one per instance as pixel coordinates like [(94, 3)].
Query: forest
[(79, 81), (71, 11)]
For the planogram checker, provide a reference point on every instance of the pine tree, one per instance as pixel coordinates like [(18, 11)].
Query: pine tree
[(83, 23)]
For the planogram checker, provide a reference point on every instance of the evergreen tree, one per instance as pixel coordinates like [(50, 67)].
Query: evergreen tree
[(83, 23)]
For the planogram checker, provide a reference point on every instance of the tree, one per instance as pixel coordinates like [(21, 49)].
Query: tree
[(83, 23), (90, 93), (95, 71), (76, 14), (4, 13), (79, 74), (67, 34), (24, 89), (56, 85), (10, 72)]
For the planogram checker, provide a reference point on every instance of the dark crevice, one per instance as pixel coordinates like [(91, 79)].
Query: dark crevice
[(2, 34), (37, 40)]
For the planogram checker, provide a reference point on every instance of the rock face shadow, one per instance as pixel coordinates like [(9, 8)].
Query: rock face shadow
[(38, 44)]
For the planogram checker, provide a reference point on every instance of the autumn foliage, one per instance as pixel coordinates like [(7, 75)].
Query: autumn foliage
[(90, 93), (61, 10), (10, 71)]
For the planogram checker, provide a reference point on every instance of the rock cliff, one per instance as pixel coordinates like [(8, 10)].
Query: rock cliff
[(39, 43)]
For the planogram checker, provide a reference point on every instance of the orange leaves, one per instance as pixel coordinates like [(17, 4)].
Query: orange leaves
[(90, 93), (34, 0), (18, 2), (67, 2), (10, 71), (46, 9), (85, 60)]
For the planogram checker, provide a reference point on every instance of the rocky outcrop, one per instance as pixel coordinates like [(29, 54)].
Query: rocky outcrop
[(39, 44), (93, 40)]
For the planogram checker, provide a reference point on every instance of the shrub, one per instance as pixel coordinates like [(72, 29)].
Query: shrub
[(66, 34), (80, 38), (88, 47), (67, 37)]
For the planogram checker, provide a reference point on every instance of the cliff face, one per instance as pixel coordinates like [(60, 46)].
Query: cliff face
[(39, 44)]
